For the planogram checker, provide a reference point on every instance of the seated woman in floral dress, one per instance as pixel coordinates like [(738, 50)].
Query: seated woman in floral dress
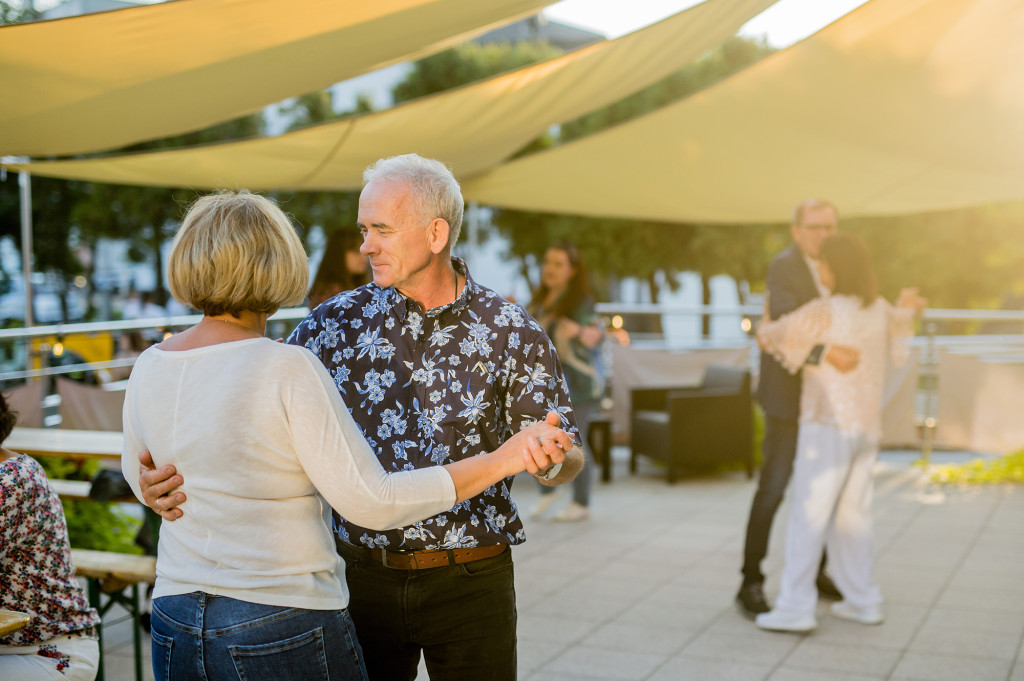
[(37, 577)]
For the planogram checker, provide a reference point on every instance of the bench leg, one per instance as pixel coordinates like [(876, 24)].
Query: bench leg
[(137, 631), (93, 587), (131, 604)]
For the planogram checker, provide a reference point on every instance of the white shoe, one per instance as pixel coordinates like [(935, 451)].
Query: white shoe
[(544, 505), (573, 513), (868, 614), (781, 620)]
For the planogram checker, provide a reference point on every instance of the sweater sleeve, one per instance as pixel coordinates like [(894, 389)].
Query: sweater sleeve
[(792, 337), (343, 468), (130, 466)]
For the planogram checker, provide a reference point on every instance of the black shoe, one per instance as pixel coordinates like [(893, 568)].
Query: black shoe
[(750, 600), (827, 588)]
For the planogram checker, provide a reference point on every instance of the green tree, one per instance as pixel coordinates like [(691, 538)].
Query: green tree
[(618, 248), (14, 13), (325, 209), (468, 63), (147, 216), (969, 258)]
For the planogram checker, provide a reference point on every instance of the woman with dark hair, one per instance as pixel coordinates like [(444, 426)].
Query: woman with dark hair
[(38, 577), (342, 267), (564, 306), (840, 426)]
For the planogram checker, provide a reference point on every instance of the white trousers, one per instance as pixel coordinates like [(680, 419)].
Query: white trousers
[(832, 489), (65, 658)]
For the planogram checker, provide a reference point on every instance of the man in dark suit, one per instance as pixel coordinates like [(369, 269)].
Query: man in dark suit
[(792, 281)]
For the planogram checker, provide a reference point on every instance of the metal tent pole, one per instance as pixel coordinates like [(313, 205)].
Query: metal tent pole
[(25, 185)]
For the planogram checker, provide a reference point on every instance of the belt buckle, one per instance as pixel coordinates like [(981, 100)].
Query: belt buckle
[(384, 557)]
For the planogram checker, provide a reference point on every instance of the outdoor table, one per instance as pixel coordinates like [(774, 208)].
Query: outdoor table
[(68, 444), (11, 621)]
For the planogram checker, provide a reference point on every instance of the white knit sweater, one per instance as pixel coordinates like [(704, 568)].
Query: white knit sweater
[(262, 438)]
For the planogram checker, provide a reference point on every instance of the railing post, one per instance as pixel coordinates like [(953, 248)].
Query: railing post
[(930, 395)]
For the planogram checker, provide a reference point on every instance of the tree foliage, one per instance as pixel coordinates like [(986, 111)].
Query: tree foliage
[(467, 63), (325, 209), (647, 250)]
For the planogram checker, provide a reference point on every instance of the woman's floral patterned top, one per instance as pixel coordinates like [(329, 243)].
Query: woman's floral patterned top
[(36, 574)]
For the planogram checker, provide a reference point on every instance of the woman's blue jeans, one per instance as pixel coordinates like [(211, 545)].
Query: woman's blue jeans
[(214, 638)]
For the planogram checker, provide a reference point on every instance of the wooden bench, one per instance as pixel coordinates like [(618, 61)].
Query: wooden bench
[(111, 574), (66, 443), (78, 490)]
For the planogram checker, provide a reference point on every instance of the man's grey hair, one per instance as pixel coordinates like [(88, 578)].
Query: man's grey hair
[(432, 183), (803, 206)]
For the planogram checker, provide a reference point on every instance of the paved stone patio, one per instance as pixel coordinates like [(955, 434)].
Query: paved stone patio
[(644, 589)]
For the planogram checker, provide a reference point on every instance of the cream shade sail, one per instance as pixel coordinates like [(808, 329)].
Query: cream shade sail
[(902, 106), (107, 80), (473, 128)]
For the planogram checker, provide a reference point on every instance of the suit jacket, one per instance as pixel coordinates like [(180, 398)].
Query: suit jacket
[(790, 284)]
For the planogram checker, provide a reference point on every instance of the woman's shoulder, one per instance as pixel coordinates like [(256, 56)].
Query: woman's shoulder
[(23, 475)]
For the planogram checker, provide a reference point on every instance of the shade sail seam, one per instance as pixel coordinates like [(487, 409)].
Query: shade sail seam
[(329, 156)]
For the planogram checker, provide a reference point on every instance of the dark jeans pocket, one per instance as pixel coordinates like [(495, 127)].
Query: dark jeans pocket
[(162, 648), (488, 566), (299, 657)]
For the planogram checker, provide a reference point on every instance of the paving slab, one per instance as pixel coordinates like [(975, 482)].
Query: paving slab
[(643, 590)]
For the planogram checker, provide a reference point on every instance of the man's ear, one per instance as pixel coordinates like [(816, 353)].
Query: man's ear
[(438, 232)]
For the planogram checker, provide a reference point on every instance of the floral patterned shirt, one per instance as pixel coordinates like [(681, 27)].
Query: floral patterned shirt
[(36, 574), (430, 387)]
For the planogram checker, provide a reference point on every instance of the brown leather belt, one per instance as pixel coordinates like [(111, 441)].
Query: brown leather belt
[(419, 560)]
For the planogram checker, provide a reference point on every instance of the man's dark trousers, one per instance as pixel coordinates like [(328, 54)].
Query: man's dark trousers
[(790, 284), (779, 451)]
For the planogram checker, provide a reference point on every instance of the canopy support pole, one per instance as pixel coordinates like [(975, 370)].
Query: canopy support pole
[(25, 186)]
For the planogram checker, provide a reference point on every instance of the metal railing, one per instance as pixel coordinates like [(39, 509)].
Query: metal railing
[(1007, 347)]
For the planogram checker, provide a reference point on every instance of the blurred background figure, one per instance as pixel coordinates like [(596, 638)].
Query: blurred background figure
[(38, 578), (342, 267), (840, 427), (130, 345), (564, 306)]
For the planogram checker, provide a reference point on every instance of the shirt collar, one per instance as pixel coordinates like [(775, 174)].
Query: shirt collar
[(404, 305), (812, 265)]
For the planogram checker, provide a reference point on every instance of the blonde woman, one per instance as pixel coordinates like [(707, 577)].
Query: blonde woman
[(249, 584)]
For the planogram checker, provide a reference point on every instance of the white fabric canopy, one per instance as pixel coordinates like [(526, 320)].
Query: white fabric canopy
[(472, 128), (107, 80), (901, 106)]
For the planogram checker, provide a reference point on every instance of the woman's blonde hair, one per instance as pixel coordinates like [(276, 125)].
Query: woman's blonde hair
[(237, 251)]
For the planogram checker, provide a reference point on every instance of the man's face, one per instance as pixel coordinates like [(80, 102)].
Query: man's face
[(395, 235), (816, 224)]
